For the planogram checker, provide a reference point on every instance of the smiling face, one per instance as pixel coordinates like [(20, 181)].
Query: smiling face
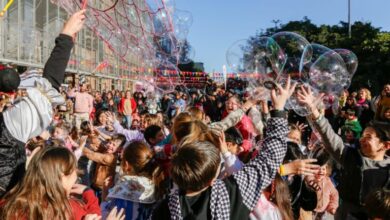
[(371, 146), (112, 146), (232, 104)]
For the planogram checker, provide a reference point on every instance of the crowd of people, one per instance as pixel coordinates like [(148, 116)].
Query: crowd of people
[(215, 154)]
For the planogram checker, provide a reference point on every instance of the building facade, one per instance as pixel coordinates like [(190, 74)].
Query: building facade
[(27, 33)]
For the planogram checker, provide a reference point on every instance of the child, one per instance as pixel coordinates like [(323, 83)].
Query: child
[(327, 195), (377, 205), (364, 169), (140, 187), (195, 168), (61, 133), (153, 135), (105, 162), (50, 181), (352, 123)]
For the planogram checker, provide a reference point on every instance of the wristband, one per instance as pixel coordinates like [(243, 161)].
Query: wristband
[(278, 113), (281, 170)]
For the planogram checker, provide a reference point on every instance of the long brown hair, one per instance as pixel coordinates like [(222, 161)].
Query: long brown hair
[(40, 195), (280, 196), (140, 158)]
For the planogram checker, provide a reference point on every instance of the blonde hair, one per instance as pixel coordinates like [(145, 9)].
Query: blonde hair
[(197, 113), (368, 93), (40, 195), (195, 131)]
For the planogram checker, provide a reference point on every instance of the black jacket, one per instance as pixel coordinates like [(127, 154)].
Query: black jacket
[(12, 151)]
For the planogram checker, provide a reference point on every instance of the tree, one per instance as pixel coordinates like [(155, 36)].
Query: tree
[(369, 43)]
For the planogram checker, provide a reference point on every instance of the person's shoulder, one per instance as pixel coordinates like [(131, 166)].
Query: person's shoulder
[(162, 210)]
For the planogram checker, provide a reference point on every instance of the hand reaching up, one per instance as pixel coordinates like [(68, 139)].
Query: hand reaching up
[(74, 24), (306, 97), (280, 96), (111, 117)]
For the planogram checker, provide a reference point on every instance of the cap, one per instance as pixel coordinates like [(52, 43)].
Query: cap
[(9, 79)]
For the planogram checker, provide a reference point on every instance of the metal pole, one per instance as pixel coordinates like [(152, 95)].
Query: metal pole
[(349, 19)]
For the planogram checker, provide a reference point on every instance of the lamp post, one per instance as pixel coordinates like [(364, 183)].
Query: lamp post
[(349, 19)]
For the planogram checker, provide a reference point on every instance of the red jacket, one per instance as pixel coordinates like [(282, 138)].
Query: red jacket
[(89, 205), (247, 130), (121, 105)]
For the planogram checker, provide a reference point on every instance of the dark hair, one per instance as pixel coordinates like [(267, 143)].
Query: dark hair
[(195, 165), (382, 129), (140, 158), (293, 152), (321, 155), (119, 137), (102, 111), (151, 132), (377, 204), (233, 135), (85, 129)]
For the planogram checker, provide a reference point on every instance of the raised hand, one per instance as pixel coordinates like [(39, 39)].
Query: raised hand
[(280, 96), (74, 23), (111, 117), (222, 143), (306, 97)]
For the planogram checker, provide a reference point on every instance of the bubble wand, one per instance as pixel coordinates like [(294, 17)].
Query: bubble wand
[(6, 8)]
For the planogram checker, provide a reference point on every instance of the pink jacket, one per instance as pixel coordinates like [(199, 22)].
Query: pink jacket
[(327, 196)]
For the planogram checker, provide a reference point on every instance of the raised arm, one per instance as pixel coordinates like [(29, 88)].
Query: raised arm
[(232, 119), (105, 159), (332, 142), (258, 174), (55, 66), (131, 135)]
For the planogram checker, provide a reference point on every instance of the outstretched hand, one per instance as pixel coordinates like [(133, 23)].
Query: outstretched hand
[(301, 167), (74, 24), (306, 97), (279, 97), (111, 117)]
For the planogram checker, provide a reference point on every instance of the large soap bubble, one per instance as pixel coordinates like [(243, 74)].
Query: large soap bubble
[(293, 45)]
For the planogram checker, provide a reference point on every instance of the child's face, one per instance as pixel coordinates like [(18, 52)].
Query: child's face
[(113, 146), (350, 116), (68, 181), (321, 172), (103, 118), (349, 137), (233, 148), (58, 133), (370, 144), (295, 136), (159, 137), (387, 114)]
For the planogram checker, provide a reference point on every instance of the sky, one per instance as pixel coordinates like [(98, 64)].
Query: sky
[(217, 24)]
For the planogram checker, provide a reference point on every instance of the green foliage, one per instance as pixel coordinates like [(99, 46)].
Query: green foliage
[(369, 43)]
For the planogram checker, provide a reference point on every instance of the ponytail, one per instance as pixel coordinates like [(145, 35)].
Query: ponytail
[(141, 159)]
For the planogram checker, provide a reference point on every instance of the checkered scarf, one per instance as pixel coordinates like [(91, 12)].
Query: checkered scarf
[(219, 203)]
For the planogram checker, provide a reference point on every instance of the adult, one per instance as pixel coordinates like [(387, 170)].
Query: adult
[(127, 107), (383, 103), (83, 105), (30, 115)]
